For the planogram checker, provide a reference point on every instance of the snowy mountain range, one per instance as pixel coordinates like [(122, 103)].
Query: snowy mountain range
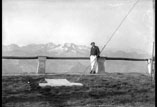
[(49, 49), (65, 50)]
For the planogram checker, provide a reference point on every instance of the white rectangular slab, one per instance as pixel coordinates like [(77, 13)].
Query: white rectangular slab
[(59, 82)]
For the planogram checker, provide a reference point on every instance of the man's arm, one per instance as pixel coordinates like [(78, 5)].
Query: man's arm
[(90, 51), (98, 52)]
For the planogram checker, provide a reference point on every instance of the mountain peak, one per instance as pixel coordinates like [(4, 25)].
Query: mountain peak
[(69, 46)]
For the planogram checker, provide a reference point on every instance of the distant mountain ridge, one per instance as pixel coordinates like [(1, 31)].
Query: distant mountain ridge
[(46, 49), (63, 66), (66, 49)]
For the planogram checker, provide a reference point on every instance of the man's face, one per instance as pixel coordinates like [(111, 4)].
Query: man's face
[(93, 44)]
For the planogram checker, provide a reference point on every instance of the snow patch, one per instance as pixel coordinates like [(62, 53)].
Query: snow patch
[(59, 82)]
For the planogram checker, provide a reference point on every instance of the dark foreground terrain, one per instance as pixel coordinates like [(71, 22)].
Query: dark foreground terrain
[(109, 90)]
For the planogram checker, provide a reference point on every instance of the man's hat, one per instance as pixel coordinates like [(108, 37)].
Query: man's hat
[(92, 43)]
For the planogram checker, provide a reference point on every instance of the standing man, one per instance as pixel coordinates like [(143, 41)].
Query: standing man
[(94, 54)]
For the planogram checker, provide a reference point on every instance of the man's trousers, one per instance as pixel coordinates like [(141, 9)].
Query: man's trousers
[(94, 63)]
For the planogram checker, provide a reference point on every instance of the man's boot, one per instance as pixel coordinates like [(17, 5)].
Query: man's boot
[(91, 72), (94, 72)]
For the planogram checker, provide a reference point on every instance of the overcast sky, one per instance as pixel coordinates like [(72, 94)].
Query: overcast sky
[(79, 22)]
